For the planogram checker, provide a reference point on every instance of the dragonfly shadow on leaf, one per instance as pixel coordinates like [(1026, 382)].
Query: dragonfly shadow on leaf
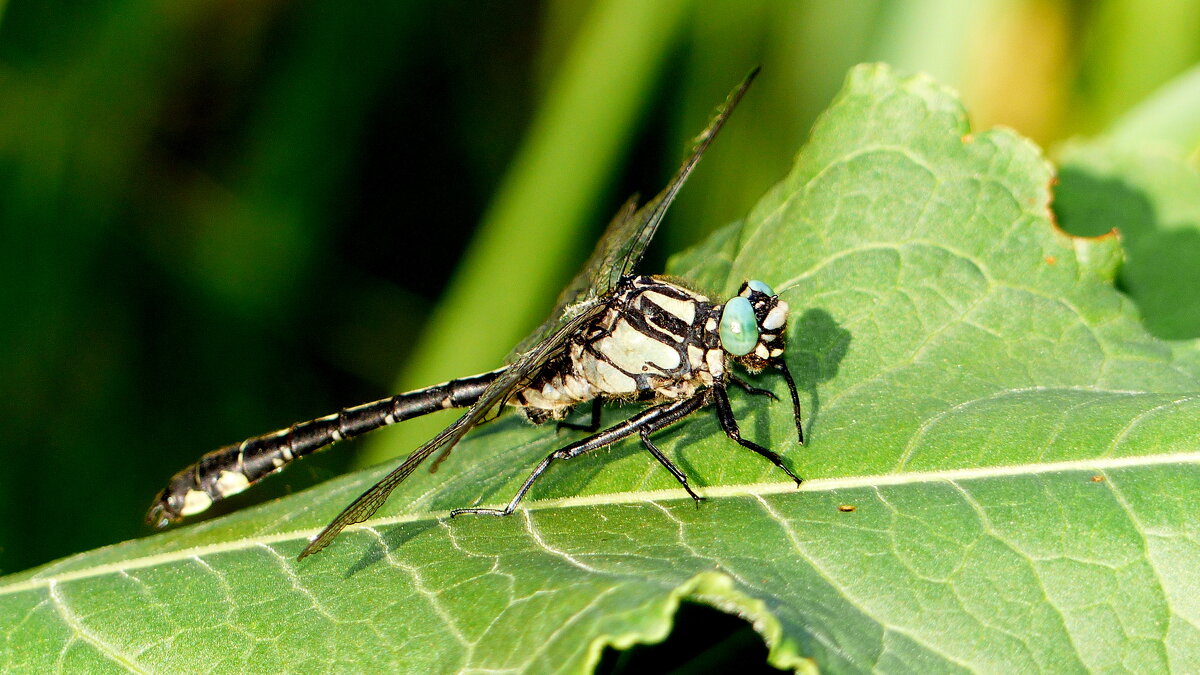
[(816, 346)]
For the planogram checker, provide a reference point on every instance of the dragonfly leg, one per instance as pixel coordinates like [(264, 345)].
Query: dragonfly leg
[(787, 376), (591, 427), (653, 418), (662, 459), (730, 426), (751, 389)]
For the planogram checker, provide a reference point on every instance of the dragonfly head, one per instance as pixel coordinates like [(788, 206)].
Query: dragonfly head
[(753, 324)]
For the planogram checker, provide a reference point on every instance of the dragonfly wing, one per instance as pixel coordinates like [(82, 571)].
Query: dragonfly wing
[(631, 242), (513, 377), (629, 233), (580, 293), (616, 254)]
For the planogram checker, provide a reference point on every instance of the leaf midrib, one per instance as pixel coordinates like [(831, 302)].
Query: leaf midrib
[(1098, 465)]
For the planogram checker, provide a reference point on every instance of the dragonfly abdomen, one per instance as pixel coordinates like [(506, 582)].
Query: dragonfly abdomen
[(229, 470)]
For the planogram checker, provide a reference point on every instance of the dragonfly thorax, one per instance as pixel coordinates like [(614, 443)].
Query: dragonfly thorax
[(656, 341)]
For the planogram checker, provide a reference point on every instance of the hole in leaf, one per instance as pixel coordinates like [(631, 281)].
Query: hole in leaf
[(704, 640)]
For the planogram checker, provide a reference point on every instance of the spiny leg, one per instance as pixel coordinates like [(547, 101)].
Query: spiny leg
[(787, 376), (662, 459), (751, 389), (655, 418), (730, 426), (591, 427)]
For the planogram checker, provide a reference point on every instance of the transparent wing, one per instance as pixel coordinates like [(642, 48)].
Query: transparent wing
[(629, 233), (516, 375), (616, 254)]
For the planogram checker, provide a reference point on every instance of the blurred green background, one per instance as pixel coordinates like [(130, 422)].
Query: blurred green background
[(218, 218)]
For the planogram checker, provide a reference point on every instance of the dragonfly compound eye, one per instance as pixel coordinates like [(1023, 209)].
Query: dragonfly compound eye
[(739, 327), (759, 286)]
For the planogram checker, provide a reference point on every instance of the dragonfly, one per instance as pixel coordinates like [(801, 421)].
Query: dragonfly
[(613, 335)]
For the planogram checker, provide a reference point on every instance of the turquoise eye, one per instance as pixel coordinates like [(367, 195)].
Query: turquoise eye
[(760, 287), (739, 327)]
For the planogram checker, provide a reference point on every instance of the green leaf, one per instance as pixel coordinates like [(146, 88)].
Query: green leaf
[(1019, 454)]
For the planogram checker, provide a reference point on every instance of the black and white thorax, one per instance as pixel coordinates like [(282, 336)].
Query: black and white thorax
[(656, 341)]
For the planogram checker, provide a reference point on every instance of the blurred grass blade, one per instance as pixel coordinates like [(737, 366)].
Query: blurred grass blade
[(1128, 48), (927, 36), (1170, 117)]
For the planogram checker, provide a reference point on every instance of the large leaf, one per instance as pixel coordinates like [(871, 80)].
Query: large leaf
[(1020, 455)]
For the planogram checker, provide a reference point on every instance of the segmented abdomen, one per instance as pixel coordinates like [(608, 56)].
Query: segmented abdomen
[(229, 470)]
